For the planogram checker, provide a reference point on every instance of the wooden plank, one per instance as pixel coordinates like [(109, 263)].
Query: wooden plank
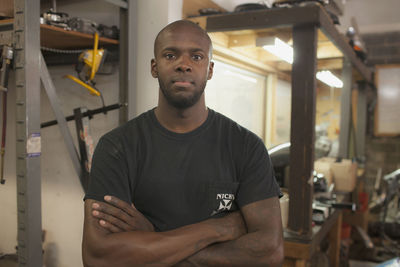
[(302, 129), (268, 18), (334, 242), (342, 43), (297, 250), (56, 37)]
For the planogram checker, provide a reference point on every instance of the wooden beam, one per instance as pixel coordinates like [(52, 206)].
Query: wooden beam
[(219, 38), (334, 242), (330, 64), (302, 129), (345, 110), (342, 43), (328, 50), (268, 18), (247, 40), (234, 55)]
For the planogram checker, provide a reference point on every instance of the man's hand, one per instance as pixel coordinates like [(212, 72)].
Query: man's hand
[(118, 216)]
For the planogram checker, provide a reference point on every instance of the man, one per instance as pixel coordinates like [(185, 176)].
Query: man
[(200, 188)]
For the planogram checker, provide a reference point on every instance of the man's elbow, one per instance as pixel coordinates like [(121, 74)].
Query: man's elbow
[(270, 254), (91, 256), (276, 257)]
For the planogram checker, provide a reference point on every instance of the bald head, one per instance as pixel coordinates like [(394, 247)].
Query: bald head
[(181, 25)]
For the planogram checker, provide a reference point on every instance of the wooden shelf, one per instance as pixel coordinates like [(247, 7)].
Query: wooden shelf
[(279, 20), (55, 37)]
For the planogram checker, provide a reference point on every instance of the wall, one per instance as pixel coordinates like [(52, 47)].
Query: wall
[(62, 205), (383, 48), (371, 16), (153, 16)]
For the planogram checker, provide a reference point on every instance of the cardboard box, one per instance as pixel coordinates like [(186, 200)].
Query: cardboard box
[(323, 165), (344, 175), (7, 8)]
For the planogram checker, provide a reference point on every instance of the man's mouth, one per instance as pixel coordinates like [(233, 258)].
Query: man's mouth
[(182, 83)]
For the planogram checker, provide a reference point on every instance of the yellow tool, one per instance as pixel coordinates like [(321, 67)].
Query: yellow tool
[(88, 63)]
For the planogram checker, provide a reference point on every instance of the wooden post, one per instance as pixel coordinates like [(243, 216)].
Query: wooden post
[(302, 129)]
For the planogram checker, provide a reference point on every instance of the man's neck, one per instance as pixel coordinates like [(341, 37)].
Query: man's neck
[(181, 120)]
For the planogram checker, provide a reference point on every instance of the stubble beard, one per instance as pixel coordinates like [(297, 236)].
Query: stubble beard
[(181, 102)]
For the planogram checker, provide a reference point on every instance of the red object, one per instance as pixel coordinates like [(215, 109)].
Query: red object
[(363, 201), (346, 231)]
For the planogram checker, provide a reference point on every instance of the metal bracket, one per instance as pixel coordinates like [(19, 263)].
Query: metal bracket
[(51, 93)]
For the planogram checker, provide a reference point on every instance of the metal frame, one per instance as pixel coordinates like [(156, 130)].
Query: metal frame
[(62, 123), (127, 72), (305, 21), (27, 49), (345, 109), (30, 67), (361, 127)]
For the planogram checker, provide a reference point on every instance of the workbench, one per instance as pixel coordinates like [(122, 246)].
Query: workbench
[(299, 251)]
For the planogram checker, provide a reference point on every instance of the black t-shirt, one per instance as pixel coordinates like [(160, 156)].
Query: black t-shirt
[(179, 179)]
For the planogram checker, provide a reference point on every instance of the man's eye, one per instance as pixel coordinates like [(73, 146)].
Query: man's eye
[(169, 56), (197, 57)]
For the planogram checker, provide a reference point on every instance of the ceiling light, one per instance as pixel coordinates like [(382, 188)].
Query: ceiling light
[(327, 77), (279, 48), (284, 51)]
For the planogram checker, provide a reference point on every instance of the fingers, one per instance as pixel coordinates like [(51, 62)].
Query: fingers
[(110, 222), (120, 204), (112, 228), (110, 212)]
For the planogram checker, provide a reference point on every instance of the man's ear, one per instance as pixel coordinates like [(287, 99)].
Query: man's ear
[(210, 70), (154, 71)]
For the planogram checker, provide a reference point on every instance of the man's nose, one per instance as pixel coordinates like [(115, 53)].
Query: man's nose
[(184, 64)]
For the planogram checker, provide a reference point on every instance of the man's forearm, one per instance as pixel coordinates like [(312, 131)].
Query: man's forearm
[(141, 248), (249, 250)]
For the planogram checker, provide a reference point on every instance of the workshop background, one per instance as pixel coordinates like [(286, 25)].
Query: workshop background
[(62, 194)]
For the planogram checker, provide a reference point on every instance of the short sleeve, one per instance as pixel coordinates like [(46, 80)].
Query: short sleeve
[(109, 172), (257, 179)]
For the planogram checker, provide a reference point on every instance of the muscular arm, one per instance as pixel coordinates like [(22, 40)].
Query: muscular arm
[(102, 247), (261, 246)]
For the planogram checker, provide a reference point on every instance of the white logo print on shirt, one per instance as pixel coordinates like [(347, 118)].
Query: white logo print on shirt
[(225, 203)]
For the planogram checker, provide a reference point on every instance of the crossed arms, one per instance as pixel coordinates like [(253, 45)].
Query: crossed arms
[(116, 234)]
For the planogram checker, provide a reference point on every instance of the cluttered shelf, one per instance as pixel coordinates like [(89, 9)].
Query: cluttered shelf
[(56, 37), (59, 38)]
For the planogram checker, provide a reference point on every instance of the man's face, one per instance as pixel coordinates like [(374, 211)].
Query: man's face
[(182, 66)]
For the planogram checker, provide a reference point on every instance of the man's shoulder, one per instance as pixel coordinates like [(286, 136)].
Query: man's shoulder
[(234, 128), (130, 128)]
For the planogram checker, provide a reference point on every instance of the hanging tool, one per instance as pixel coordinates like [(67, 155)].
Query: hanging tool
[(88, 64), (6, 57)]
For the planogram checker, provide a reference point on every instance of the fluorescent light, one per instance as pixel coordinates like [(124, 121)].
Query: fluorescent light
[(327, 77), (281, 50), (285, 52)]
